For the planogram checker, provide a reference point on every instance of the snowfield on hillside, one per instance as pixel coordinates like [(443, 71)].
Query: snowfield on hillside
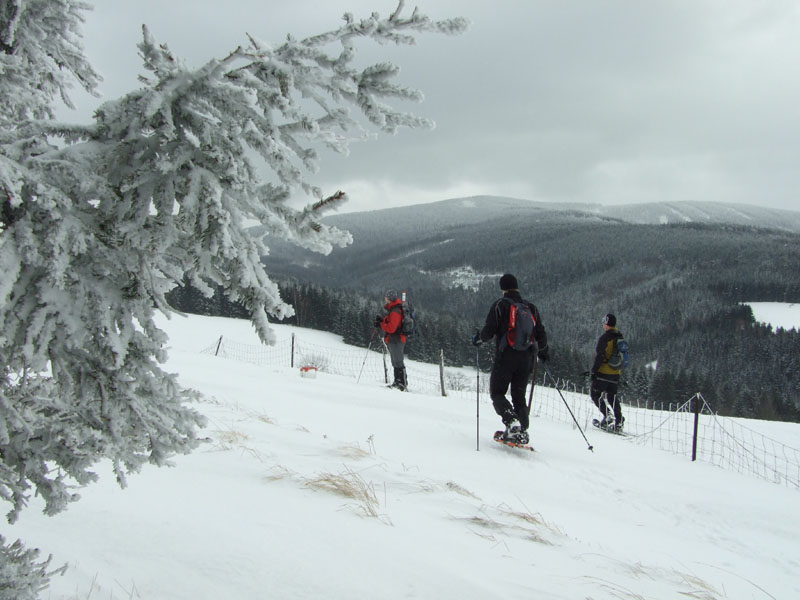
[(777, 314)]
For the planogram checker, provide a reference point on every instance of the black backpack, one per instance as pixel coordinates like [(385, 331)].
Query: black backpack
[(409, 325), (619, 354), (521, 326)]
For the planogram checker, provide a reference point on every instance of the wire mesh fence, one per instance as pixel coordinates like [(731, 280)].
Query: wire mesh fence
[(371, 364), (721, 441)]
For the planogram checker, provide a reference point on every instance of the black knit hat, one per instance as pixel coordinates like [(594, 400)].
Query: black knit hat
[(508, 282), (390, 295), (610, 320)]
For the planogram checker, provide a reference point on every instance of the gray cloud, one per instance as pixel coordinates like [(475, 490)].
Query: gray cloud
[(611, 101)]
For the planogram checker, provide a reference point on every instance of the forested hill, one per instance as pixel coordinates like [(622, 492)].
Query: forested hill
[(443, 233), (676, 288)]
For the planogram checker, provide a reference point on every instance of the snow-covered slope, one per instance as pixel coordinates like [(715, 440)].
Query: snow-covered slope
[(325, 488), (479, 209), (705, 213)]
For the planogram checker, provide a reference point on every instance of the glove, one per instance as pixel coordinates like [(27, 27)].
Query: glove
[(476, 339), (593, 376), (378, 321), (543, 354)]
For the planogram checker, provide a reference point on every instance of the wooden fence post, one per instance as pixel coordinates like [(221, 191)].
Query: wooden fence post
[(696, 408), (441, 371), (219, 343), (291, 360)]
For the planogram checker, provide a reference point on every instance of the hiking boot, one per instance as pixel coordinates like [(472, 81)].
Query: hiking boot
[(522, 437), (513, 430), (516, 435), (400, 380)]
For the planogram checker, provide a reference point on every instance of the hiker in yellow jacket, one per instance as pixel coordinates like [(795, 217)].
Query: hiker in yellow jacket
[(605, 378)]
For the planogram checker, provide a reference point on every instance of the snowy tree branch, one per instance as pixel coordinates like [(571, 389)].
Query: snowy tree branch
[(161, 188)]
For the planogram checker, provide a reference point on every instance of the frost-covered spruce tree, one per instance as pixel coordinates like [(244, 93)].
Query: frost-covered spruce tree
[(21, 577), (40, 58), (98, 222)]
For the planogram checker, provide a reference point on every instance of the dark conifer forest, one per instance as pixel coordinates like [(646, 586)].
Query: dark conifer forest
[(677, 290)]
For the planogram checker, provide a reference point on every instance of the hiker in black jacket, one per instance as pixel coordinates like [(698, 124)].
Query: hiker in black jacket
[(511, 366), (605, 378)]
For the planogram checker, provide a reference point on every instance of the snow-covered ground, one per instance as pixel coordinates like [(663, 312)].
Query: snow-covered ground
[(465, 276), (777, 314), (325, 488)]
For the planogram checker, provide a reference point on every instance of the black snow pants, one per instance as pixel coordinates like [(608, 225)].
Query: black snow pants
[(511, 368), (607, 384)]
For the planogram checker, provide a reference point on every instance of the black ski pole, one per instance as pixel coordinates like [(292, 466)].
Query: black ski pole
[(547, 370), (369, 345), (477, 401)]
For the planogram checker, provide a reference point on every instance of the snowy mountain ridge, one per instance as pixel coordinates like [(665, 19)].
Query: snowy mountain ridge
[(478, 208)]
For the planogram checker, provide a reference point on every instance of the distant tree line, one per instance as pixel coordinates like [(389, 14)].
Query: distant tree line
[(677, 291), (742, 368)]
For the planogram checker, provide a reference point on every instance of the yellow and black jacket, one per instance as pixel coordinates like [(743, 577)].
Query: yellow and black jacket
[(605, 346)]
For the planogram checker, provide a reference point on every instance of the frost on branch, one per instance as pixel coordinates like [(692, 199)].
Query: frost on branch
[(99, 222), (40, 56), (162, 186), (192, 141), (21, 577)]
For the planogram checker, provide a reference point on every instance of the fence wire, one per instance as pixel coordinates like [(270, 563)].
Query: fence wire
[(721, 441)]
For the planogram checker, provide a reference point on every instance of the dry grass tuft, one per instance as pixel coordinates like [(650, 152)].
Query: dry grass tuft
[(485, 522), (507, 522), (616, 590), (354, 452), (350, 485), (231, 438), (489, 526), (700, 589), (454, 487), (534, 519), (703, 590), (278, 472)]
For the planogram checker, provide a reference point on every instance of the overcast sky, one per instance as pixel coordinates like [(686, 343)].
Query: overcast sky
[(612, 102)]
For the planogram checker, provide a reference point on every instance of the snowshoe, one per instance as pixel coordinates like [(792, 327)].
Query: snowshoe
[(520, 441), (609, 426)]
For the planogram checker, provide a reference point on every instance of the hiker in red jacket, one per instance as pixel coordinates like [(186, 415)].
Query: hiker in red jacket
[(391, 324)]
